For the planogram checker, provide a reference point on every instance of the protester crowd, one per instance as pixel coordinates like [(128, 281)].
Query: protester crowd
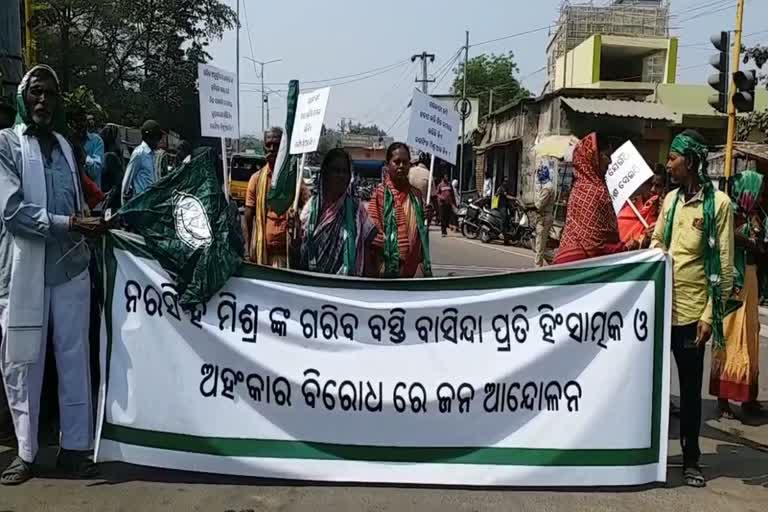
[(55, 171)]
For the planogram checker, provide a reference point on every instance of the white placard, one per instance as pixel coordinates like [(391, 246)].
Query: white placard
[(434, 127), (218, 102), (310, 114), (628, 170), (462, 381)]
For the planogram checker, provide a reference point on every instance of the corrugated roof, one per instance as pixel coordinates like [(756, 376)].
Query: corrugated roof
[(621, 108)]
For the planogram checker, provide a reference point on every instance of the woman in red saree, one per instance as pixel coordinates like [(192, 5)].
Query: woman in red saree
[(591, 228), (401, 246)]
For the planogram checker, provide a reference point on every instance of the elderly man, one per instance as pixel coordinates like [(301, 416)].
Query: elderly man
[(141, 172), (44, 277), (265, 230)]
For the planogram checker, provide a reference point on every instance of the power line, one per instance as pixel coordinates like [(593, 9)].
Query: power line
[(512, 36), (371, 114), (387, 67), (709, 13), (706, 5), (250, 39), (387, 70), (447, 67)]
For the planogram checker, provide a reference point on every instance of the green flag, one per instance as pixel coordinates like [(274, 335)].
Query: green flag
[(189, 227), (283, 189)]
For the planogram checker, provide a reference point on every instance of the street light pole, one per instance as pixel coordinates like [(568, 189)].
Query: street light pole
[(264, 97), (237, 74)]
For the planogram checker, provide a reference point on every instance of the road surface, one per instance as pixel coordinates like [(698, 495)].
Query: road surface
[(735, 458)]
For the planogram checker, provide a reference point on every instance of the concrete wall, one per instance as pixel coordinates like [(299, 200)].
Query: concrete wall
[(579, 67)]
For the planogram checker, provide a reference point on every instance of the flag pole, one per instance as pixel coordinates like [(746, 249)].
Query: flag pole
[(225, 168), (297, 193)]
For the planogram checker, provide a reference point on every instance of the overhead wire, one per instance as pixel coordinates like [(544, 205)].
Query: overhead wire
[(512, 36), (353, 75), (377, 110)]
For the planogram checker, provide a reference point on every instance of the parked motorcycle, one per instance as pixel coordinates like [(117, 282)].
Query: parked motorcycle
[(469, 215), (518, 230)]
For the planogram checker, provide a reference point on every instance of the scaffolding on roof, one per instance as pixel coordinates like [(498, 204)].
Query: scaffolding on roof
[(578, 22)]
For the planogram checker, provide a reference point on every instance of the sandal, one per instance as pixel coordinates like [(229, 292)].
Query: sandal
[(693, 477), (76, 464), (17, 472)]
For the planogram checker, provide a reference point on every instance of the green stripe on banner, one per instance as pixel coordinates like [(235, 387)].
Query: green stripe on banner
[(615, 273), (279, 449)]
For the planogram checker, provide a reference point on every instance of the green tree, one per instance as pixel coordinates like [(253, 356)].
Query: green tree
[(139, 57), (251, 142), (755, 125), (490, 71)]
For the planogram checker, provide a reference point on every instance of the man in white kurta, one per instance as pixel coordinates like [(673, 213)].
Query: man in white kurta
[(44, 280)]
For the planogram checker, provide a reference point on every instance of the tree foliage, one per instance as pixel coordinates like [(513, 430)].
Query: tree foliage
[(347, 126), (755, 125), (490, 71), (139, 57)]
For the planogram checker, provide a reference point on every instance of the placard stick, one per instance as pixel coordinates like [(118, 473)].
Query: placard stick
[(431, 179), (634, 209)]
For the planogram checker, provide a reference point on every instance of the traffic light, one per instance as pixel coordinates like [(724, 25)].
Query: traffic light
[(744, 95), (719, 80)]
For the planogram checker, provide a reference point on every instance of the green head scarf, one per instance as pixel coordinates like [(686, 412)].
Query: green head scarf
[(689, 147), (58, 121)]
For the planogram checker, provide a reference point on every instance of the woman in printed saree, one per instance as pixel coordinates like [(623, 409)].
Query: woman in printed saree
[(591, 228), (401, 245), (735, 367), (335, 227)]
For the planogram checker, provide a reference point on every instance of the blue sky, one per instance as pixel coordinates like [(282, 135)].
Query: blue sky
[(317, 40)]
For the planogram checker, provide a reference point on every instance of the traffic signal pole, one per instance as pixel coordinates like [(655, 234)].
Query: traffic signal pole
[(731, 106)]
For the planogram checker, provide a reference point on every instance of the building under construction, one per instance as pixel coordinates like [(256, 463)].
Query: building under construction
[(634, 18)]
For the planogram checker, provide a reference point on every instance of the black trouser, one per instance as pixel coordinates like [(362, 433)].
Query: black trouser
[(689, 358), (446, 211)]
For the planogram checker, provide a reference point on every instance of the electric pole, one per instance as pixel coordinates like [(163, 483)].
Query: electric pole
[(425, 58), (731, 105), (463, 115), (490, 101)]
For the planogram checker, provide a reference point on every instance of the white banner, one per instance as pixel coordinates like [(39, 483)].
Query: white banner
[(308, 124), (540, 378), (218, 102), (628, 170), (433, 127)]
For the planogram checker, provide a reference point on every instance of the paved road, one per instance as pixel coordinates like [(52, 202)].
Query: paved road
[(458, 256), (735, 458)]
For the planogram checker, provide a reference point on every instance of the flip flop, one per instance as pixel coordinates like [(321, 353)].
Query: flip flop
[(693, 477), (16, 473)]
